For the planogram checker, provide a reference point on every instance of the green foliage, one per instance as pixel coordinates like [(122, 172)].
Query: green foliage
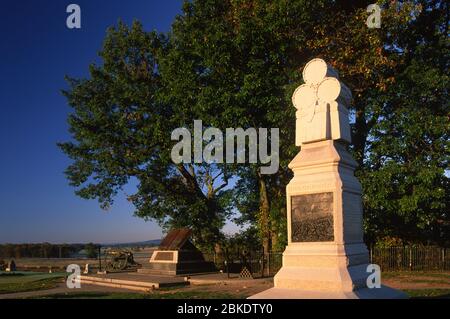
[(121, 128), (405, 173), (387, 242), (246, 240), (91, 250)]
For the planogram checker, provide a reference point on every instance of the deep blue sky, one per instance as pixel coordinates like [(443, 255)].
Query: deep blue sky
[(37, 50)]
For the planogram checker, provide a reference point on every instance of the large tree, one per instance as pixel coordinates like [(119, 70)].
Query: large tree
[(121, 131)]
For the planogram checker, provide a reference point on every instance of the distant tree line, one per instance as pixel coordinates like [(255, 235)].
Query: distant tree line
[(46, 250)]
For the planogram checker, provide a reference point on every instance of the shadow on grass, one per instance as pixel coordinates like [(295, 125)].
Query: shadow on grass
[(22, 284), (413, 294), (11, 274), (154, 295), (428, 293)]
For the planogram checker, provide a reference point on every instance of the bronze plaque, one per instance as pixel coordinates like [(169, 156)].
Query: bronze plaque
[(164, 255), (175, 239), (312, 217)]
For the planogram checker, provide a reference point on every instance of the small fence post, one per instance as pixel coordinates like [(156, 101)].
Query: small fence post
[(371, 254), (99, 258), (228, 270), (410, 259)]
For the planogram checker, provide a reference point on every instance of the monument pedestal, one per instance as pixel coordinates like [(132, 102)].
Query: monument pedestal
[(326, 256)]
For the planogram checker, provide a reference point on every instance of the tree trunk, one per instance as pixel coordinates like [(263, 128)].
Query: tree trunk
[(360, 135), (274, 237), (264, 210)]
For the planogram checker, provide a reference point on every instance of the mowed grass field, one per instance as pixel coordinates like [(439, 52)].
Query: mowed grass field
[(28, 281)]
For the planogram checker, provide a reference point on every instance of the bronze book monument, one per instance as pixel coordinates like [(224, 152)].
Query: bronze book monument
[(176, 255)]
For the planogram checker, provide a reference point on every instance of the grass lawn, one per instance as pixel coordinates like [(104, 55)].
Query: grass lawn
[(433, 279), (28, 281), (413, 294), (412, 274), (197, 294)]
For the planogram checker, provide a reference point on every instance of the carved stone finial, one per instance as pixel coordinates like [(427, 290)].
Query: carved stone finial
[(321, 104)]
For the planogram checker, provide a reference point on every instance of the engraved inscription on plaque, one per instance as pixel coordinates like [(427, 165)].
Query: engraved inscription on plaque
[(312, 217), (164, 255)]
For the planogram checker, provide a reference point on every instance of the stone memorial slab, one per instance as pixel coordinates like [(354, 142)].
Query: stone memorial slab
[(11, 266)]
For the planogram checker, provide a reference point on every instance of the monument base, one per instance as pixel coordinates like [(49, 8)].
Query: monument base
[(364, 293), (325, 271)]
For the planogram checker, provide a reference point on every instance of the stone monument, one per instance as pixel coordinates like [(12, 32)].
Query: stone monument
[(176, 255), (87, 269), (11, 266), (325, 256)]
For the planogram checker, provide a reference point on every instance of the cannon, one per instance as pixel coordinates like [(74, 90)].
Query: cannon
[(119, 260)]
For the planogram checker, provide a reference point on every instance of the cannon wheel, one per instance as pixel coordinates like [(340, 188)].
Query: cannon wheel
[(122, 263), (118, 262), (113, 264), (109, 266)]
